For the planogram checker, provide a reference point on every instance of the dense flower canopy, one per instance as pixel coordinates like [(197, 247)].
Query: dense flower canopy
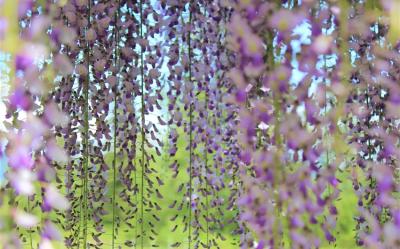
[(200, 124)]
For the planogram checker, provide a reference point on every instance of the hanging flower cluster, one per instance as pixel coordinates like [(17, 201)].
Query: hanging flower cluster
[(130, 87), (289, 179), (222, 123), (373, 128), (294, 131), (31, 118)]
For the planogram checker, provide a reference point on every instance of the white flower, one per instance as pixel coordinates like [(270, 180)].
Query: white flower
[(55, 152), (22, 181), (45, 244), (24, 219), (55, 200)]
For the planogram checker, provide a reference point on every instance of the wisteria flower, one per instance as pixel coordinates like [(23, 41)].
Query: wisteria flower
[(285, 20), (24, 219), (53, 199), (22, 181)]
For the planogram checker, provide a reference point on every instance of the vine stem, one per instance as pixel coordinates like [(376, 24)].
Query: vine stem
[(86, 139), (278, 168), (190, 129), (135, 173), (30, 230), (136, 201), (117, 61), (326, 113), (142, 128), (279, 171), (206, 178)]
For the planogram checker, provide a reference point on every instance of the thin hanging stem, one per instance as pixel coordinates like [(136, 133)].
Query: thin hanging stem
[(70, 172), (86, 137), (190, 129), (278, 168), (30, 230), (136, 201), (206, 158), (135, 174), (117, 61), (206, 170), (325, 113), (142, 128), (278, 142)]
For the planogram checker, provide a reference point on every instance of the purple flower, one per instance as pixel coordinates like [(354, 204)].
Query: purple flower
[(20, 99), (261, 244), (24, 6), (50, 231), (23, 62), (54, 200), (18, 153), (396, 217), (240, 96), (384, 178), (252, 46), (285, 20)]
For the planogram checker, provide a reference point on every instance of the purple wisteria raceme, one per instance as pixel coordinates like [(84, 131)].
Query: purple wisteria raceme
[(30, 138), (289, 178), (377, 154)]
